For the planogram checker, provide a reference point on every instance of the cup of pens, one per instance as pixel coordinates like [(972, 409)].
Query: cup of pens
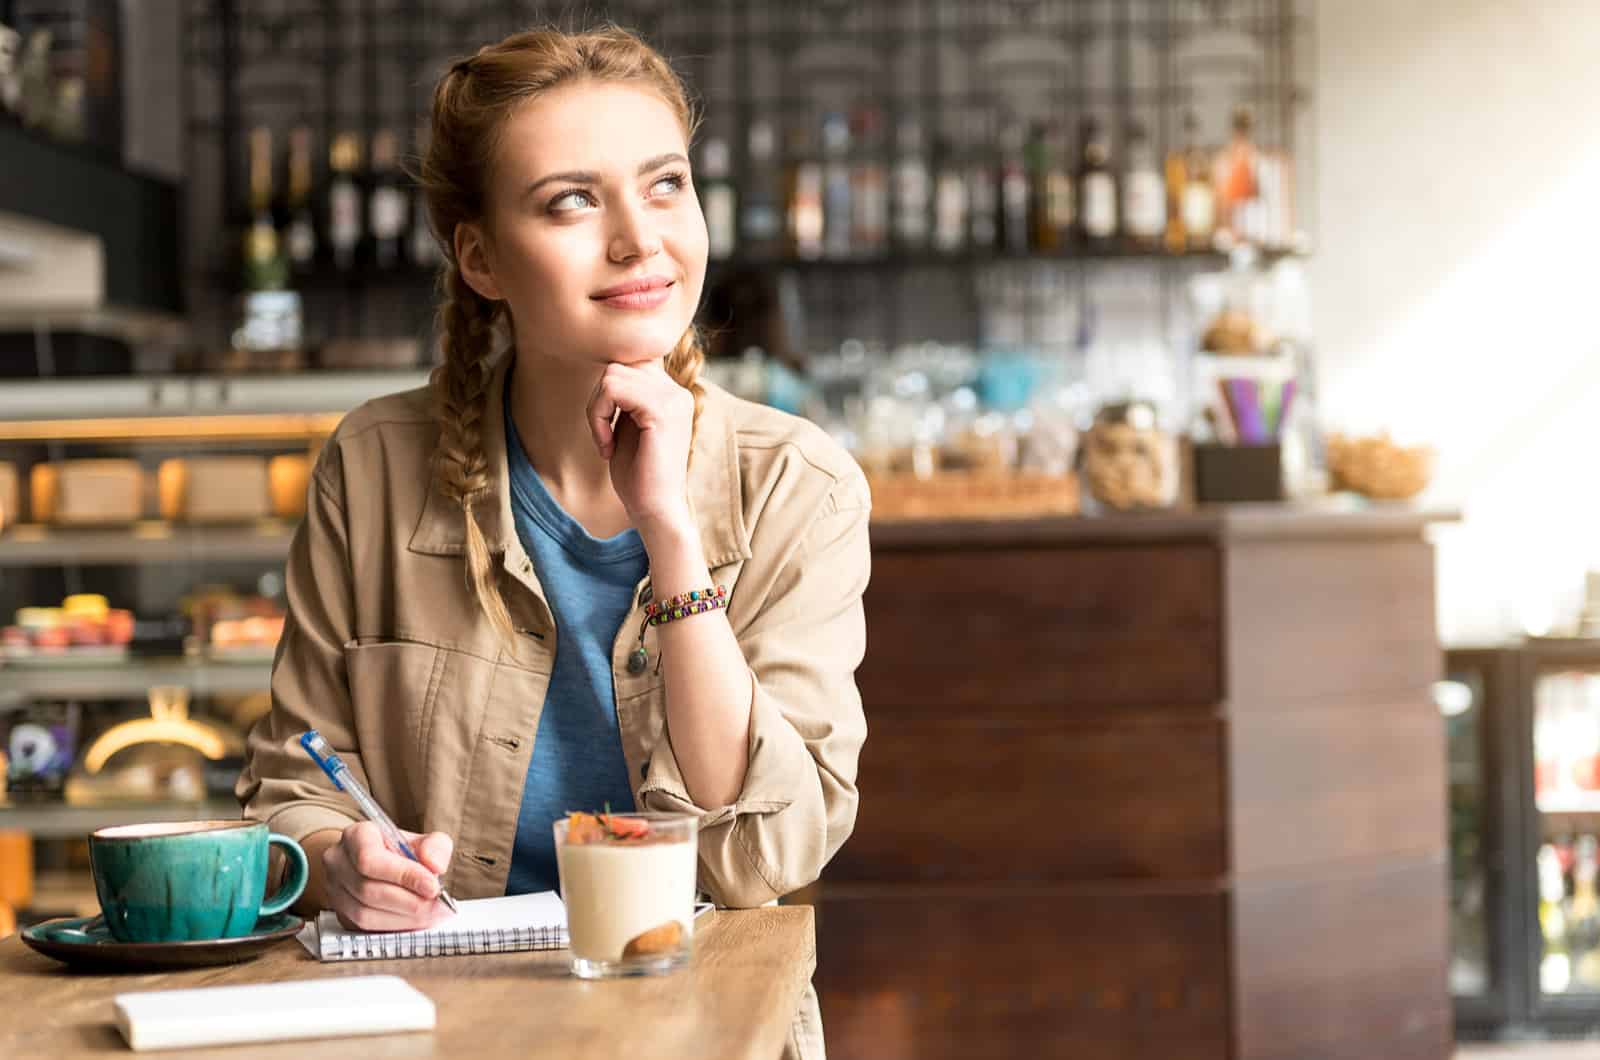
[(1244, 459)]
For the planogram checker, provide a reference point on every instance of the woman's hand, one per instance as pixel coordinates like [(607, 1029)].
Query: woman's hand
[(642, 421), (373, 888)]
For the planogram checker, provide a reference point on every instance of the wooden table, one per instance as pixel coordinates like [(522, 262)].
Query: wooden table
[(737, 999)]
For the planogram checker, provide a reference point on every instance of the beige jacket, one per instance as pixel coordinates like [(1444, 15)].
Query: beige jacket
[(387, 653)]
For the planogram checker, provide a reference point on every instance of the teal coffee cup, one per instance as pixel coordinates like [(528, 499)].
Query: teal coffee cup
[(183, 881)]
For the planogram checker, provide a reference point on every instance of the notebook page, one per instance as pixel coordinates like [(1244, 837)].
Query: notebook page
[(484, 925)]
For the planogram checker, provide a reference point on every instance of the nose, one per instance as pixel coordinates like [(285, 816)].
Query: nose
[(634, 236)]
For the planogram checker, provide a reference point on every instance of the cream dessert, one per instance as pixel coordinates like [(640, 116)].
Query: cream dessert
[(628, 881)]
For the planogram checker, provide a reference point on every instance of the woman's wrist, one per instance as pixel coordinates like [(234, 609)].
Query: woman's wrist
[(667, 530), (677, 560)]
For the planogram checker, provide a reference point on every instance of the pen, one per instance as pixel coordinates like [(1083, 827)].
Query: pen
[(346, 782)]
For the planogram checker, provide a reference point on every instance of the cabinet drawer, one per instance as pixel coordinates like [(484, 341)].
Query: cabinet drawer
[(1050, 631), (1040, 973), (943, 800)]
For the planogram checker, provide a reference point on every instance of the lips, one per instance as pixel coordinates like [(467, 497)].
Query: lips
[(645, 286)]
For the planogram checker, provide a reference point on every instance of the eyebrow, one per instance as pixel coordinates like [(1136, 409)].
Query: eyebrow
[(583, 176)]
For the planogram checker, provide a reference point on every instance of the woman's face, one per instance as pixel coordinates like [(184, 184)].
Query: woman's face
[(594, 235)]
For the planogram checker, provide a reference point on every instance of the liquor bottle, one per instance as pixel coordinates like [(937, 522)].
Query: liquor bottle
[(387, 206), (717, 199), (1173, 239), (1197, 208), (1144, 208), (1555, 967), (344, 226), (761, 219), (1583, 916), (1037, 163), (983, 194), (1234, 179), (804, 198), (869, 187), (836, 186), (264, 266), (1013, 191), (1050, 198), (300, 231), (949, 199), (1097, 189), (911, 189)]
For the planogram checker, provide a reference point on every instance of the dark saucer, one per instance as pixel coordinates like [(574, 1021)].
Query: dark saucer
[(85, 942)]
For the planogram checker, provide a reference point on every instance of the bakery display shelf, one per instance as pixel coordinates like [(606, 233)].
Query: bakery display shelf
[(57, 820), (32, 545), (68, 403), (130, 678)]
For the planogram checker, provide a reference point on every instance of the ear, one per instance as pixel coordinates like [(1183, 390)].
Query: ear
[(472, 253)]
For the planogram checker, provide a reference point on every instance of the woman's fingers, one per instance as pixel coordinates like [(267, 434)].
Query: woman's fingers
[(636, 392), (361, 915), (434, 849), (366, 852), (602, 415)]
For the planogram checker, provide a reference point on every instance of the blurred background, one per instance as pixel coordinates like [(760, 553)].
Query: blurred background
[(1127, 283)]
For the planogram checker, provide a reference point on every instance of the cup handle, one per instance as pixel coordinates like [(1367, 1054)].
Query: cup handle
[(295, 881)]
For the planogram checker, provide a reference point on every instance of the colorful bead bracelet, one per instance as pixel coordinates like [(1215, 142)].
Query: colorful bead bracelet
[(686, 604)]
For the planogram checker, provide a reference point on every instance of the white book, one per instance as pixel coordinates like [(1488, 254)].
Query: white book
[(484, 925), (266, 1012)]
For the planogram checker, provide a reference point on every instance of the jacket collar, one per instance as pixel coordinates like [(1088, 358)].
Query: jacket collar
[(715, 496)]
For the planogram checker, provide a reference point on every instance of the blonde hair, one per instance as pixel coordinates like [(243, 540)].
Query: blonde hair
[(471, 104)]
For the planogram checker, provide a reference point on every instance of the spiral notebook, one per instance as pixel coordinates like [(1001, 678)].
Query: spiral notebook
[(484, 925)]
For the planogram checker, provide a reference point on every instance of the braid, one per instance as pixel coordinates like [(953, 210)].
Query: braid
[(683, 365), (461, 390)]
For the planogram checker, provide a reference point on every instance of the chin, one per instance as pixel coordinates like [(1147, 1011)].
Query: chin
[(638, 345)]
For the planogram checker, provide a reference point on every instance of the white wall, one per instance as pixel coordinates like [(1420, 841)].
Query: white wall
[(1458, 197)]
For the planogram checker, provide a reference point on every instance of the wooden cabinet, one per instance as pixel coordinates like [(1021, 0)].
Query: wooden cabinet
[(1157, 787)]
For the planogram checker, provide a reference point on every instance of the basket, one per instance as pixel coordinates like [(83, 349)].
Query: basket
[(972, 495)]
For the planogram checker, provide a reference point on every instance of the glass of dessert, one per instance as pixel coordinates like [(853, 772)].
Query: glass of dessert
[(628, 881)]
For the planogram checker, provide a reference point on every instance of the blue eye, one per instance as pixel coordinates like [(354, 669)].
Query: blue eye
[(556, 204), (674, 181)]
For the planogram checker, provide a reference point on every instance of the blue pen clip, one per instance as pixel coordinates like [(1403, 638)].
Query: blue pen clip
[(324, 756)]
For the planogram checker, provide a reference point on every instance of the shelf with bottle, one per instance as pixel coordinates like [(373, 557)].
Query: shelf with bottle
[(1567, 865), (845, 194), (364, 222)]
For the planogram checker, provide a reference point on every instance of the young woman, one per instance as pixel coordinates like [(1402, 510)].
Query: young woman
[(467, 593)]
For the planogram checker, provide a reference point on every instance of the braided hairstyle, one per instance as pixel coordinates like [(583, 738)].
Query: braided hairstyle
[(471, 104)]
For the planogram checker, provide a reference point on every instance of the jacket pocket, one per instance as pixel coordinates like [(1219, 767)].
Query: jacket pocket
[(394, 692)]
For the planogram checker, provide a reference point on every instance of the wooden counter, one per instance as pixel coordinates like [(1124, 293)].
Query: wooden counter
[(736, 999), (1166, 786)]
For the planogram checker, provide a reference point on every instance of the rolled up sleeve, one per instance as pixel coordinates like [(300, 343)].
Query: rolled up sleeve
[(798, 803), (280, 785)]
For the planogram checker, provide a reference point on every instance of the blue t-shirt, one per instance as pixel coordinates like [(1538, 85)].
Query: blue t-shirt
[(577, 754)]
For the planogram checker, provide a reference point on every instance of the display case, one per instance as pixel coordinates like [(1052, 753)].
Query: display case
[(1524, 723), (143, 529), (1475, 697)]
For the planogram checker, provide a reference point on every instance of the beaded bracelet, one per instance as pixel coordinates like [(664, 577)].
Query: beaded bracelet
[(686, 604)]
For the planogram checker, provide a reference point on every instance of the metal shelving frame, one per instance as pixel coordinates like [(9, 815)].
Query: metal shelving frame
[(367, 64)]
